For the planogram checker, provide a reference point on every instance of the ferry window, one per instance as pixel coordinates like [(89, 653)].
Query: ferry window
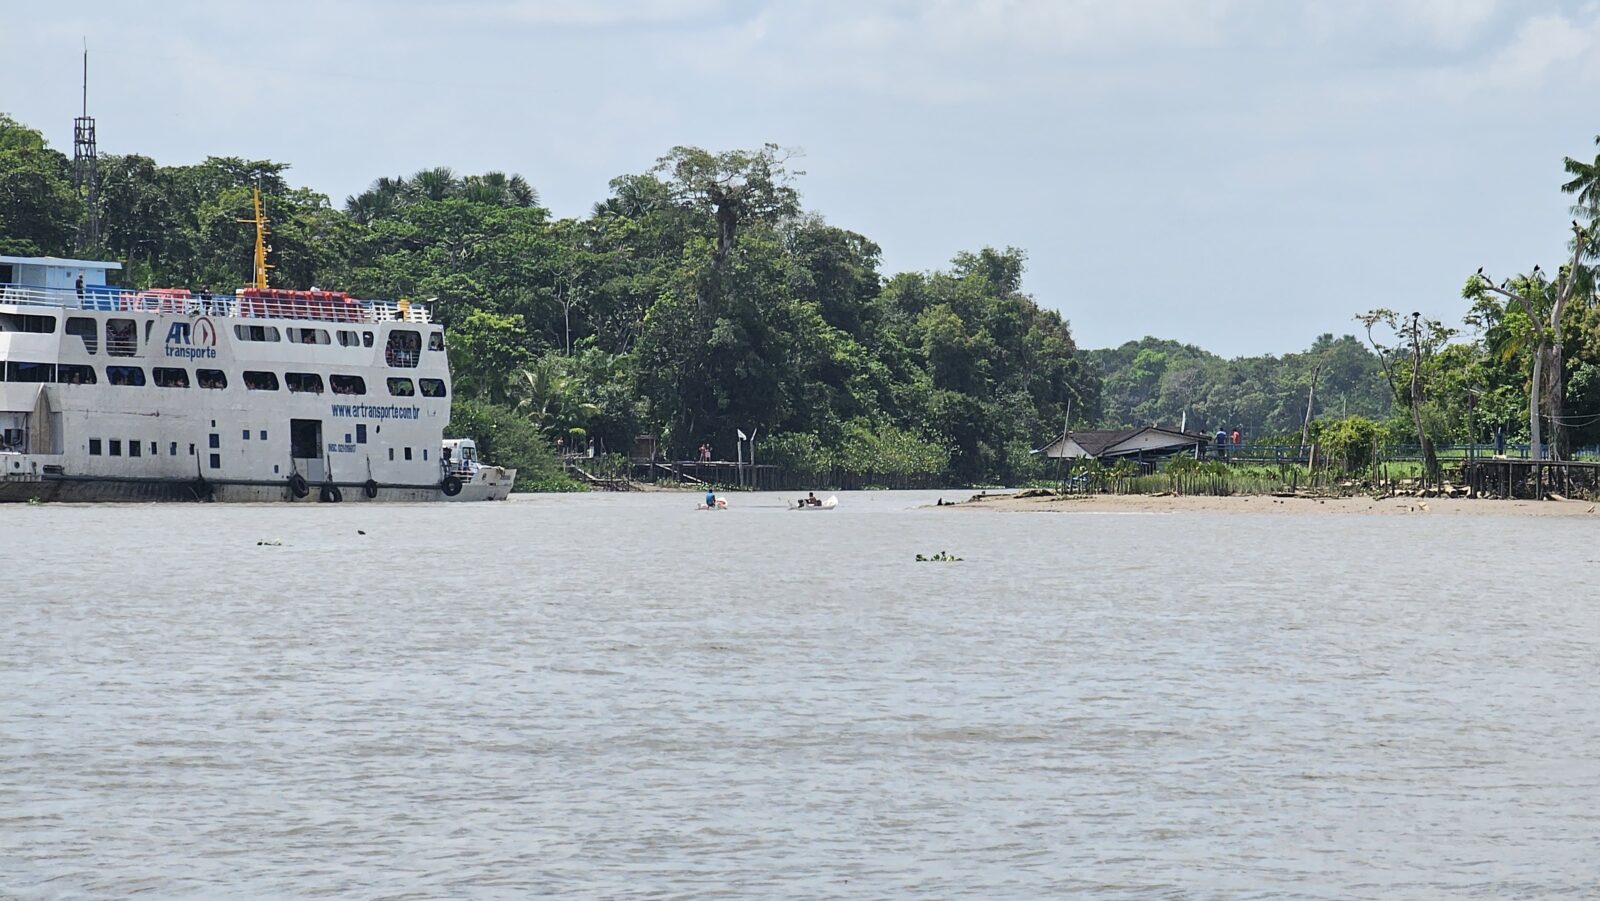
[(27, 322), (172, 451), (256, 332), (134, 447), (122, 339), (401, 387), (247, 434), (260, 381), (391, 455), (263, 434), (403, 349), (18, 371), (436, 341), (167, 377), (424, 453), (132, 376), (116, 447), (211, 378), (216, 461), (307, 336), (153, 451), (366, 339), (348, 338), (408, 453), (361, 433), (431, 387), (348, 384), (94, 447), (216, 441), (303, 382), (75, 374), (84, 328)]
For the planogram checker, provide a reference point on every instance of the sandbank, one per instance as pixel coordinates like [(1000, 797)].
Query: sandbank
[(1265, 504)]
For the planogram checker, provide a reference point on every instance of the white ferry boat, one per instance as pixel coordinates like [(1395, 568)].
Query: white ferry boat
[(113, 394)]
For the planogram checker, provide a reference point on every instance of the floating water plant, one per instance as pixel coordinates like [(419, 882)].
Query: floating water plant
[(941, 557)]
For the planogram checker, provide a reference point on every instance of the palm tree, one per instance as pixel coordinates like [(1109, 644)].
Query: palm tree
[(1585, 183), (521, 193), (484, 189), (548, 395), (436, 183), (381, 200)]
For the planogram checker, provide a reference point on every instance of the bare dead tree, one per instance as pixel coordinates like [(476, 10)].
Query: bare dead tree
[(1548, 376)]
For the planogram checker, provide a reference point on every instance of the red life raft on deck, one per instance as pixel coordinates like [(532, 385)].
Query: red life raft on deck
[(279, 303)]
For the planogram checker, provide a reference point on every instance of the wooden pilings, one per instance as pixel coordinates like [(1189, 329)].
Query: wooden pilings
[(1531, 479)]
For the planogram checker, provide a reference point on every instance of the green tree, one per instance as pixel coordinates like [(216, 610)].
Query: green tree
[(39, 209), (486, 351), (734, 188)]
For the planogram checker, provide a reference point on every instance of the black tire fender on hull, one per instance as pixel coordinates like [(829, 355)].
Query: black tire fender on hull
[(451, 486), (298, 486), (330, 494)]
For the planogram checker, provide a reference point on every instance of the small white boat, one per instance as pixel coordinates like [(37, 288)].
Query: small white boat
[(722, 504), (829, 504), (466, 478)]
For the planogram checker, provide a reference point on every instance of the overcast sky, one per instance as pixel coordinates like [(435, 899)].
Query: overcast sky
[(1239, 174)]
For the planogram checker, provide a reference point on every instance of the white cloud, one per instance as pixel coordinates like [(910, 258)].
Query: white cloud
[(585, 13), (1542, 50)]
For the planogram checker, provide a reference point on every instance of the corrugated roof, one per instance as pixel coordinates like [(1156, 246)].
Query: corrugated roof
[(61, 262), (1096, 442)]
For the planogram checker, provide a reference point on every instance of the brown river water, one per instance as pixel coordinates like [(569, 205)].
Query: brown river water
[(621, 696)]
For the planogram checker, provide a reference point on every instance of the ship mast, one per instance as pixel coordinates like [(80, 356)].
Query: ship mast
[(260, 222)]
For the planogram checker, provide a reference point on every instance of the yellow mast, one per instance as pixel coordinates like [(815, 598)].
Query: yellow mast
[(260, 222)]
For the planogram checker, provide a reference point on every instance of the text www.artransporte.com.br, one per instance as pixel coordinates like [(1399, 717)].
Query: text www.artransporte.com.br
[(376, 411)]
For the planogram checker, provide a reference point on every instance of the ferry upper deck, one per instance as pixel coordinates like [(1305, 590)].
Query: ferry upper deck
[(50, 282)]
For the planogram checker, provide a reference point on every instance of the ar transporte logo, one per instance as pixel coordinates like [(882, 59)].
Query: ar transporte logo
[(193, 340)]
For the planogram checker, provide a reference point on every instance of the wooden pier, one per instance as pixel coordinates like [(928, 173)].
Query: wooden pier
[(1531, 479)]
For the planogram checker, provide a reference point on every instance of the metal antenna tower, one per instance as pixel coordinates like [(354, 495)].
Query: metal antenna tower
[(86, 166)]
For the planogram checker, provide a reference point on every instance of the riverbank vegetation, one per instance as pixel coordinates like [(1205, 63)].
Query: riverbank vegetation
[(701, 299)]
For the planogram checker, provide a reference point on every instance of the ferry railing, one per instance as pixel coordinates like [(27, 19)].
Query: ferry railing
[(178, 301)]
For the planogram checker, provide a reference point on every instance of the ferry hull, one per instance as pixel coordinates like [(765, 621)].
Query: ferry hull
[(82, 490), (489, 483)]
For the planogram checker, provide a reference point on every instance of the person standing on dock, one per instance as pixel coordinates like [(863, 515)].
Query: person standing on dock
[(1222, 445)]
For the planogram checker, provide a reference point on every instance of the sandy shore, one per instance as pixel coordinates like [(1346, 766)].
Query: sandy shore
[(1360, 506)]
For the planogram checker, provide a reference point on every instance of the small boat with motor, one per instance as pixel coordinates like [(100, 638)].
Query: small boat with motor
[(810, 502)]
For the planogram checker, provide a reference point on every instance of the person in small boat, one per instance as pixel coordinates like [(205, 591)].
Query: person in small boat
[(811, 499), (711, 498)]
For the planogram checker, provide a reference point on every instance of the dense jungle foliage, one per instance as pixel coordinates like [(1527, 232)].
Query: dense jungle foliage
[(700, 298)]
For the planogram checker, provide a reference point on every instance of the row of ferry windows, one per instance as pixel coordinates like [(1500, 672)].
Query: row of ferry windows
[(399, 339), (121, 335), (177, 377), (112, 447)]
